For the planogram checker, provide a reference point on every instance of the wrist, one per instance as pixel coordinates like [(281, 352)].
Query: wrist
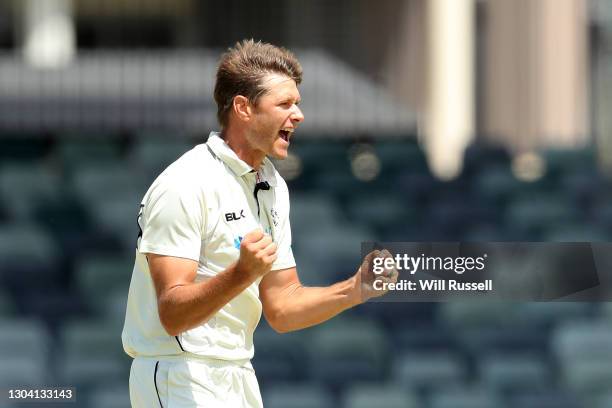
[(243, 273), (355, 296)]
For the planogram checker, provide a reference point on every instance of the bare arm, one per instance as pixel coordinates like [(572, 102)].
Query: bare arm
[(184, 304), (288, 305)]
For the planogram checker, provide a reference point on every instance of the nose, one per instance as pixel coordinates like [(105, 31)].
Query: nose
[(297, 116)]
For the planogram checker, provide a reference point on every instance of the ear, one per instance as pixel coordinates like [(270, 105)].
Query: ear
[(242, 108)]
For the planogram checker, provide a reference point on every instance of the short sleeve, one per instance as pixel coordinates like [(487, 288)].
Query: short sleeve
[(282, 235), (172, 221)]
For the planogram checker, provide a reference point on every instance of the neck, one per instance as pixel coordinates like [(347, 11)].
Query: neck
[(238, 142)]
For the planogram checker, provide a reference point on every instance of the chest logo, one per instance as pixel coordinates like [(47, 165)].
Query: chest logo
[(274, 215), (232, 216)]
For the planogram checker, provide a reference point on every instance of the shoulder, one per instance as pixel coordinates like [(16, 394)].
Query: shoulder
[(192, 174)]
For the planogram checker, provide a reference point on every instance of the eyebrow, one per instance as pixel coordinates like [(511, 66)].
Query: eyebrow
[(287, 97)]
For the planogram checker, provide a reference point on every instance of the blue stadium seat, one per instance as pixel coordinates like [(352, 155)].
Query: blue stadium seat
[(496, 184), (553, 398), (21, 372), (26, 187), (89, 371), (514, 372), (279, 357), (7, 305), (25, 337), (152, 154), (28, 255), (88, 338), (426, 369), (584, 351), (365, 395), (547, 314), (73, 151), (311, 211), (505, 339), (380, 212), (305, 395), (90, 353), (478, 314), (114, 395), (464, 397), (116, 217), (578, 232), (94, 182), (532, 214), (347, 349), (99, 275), (335, 250)]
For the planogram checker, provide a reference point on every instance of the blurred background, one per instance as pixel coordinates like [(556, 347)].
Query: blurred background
[(426, 120)]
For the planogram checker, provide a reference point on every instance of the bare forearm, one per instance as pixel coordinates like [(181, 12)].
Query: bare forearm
[(303, 306), (183, 307)]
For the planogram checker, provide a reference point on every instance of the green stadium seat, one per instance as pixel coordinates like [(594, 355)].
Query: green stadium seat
[(365, 395)]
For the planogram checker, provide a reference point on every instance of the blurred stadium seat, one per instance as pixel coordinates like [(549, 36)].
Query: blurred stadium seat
[(351, 349), (427, 369), (511, 372), (364, 395), (464, 397), (114, 394), (29, 256), (305, 395)]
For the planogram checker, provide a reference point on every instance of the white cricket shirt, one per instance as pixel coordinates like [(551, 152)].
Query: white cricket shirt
[(199, 208)]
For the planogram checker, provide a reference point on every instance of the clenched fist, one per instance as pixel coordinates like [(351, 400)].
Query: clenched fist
[(257, 254), (366, 275)]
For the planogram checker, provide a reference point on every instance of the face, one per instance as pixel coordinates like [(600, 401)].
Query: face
[(275, 117)]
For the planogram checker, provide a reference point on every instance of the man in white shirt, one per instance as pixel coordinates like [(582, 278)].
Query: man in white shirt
[(214, 249)]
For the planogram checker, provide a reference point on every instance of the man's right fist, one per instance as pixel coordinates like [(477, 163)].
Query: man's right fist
[(257, 254)]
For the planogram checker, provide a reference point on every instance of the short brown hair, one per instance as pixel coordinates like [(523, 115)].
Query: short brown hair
[(243, 68)]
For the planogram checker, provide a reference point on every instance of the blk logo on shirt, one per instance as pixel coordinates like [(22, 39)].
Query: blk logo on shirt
[(232, 216)]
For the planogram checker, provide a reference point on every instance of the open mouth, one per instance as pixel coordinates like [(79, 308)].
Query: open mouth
[(285, 134)]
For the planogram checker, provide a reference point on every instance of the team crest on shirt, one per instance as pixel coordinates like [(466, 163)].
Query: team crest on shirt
[(274, 215)]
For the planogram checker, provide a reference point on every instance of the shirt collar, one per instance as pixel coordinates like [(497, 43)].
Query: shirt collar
[(235, 163)]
